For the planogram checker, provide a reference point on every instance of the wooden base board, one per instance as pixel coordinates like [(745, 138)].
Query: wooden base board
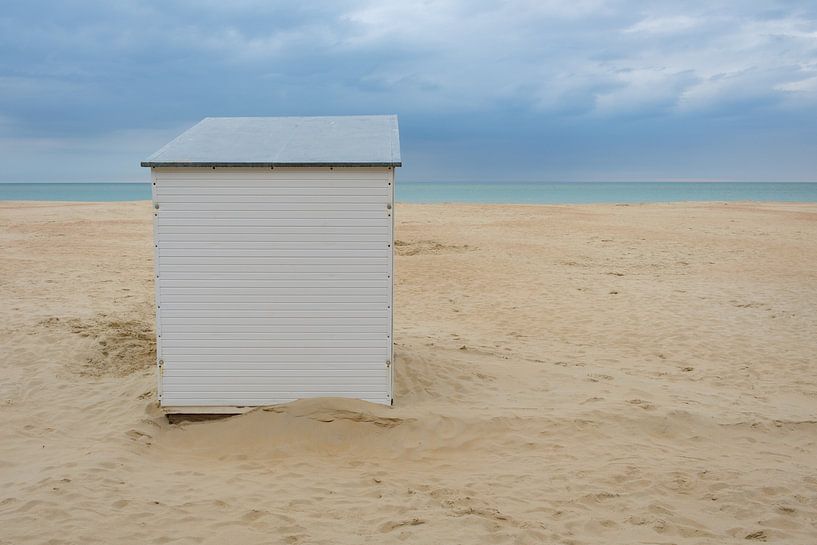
[(229, 409), (206, 410)]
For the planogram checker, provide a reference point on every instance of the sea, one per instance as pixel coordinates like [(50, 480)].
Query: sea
[(476, 192)]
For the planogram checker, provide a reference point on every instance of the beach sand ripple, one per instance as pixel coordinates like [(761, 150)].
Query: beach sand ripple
[(564, 374)]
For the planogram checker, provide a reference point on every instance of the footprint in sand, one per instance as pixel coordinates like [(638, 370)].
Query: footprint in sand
[(393, 525), (646, 405)]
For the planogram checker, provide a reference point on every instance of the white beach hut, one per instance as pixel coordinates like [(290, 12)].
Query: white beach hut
[(274, 260)]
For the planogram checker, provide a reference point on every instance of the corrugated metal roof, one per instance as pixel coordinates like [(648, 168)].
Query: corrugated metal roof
[(360, 140)]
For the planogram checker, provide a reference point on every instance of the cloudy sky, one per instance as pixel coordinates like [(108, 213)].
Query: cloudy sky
[(523, 90)]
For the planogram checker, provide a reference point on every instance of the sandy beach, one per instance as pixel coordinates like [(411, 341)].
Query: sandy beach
[(564, 374)]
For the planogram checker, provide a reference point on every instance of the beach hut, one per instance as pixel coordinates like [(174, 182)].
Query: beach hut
[(274, 261)]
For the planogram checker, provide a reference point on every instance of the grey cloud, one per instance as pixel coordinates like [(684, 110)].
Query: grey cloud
[(512, 81)]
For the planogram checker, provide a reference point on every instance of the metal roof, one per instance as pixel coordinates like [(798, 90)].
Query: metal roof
[(360, 140)]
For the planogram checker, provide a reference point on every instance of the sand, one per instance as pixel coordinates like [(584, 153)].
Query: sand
[(565, 374)]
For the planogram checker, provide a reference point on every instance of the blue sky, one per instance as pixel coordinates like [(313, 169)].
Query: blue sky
[(529, 90)]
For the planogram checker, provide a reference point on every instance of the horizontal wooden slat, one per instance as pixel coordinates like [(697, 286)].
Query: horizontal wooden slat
[(376, 301), (306, 184), (282, 230), (350, 274), (266, 361), (262, 178), (170, 312), (272, 203), (183, 265), (272, 392), (304, 261), (308, 193), (315, 246), (276, 307), (300, 175), (292, 288), (263, 380), (244, 213), (178, 402), (349, 285), (227, 175), (271, 288), (240, 391), (275, 291), (280, 330), (271, 295), (273, 253), (273, 351), (328, 240), (272, 318), (274, 279), (352, 341), (296, 331), (270, 221), (269, 367), (271, 335)]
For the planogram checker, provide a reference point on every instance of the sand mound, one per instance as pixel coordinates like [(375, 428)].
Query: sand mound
[(117, 347), (325, 428), (320, 426), (329, 409)]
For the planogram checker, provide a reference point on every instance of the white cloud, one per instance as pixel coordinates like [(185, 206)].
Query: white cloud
[(554, 54), (550, 55), (644, 90), (83, 71), (808, 85), (664, 25)]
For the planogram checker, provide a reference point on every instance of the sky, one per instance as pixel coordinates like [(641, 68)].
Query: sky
[(549, 90)]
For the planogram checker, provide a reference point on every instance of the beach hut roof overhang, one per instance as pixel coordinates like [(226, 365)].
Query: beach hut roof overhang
[(335, 141)]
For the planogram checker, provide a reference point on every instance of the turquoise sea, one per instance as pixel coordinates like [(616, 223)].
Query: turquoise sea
[(476, 192)]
